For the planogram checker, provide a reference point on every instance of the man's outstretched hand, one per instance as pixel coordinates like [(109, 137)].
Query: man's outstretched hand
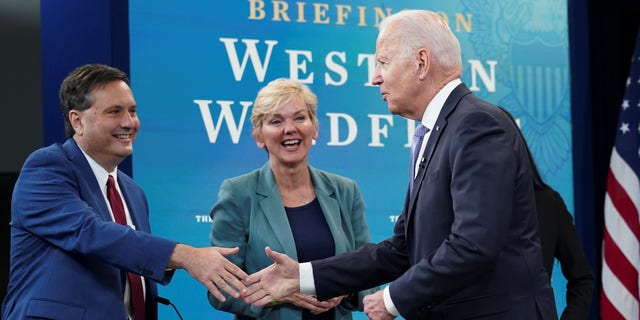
[(274, 282), (211, 268)]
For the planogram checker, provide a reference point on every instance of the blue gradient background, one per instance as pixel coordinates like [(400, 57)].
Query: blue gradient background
[(177, 57)]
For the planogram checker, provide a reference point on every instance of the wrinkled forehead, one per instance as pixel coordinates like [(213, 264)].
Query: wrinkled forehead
[(386, 44)]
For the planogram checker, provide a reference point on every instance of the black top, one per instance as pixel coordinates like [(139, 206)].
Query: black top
[(313, 241), (560, 240)]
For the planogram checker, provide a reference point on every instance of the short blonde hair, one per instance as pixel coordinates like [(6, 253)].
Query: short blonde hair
[(276, 94)]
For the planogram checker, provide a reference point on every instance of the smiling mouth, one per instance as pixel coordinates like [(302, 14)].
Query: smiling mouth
[(291, 143), (123, 136)]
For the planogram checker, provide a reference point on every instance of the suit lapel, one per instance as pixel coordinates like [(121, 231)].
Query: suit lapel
[(273, 211), (436, 133), (75, 155), (432, 143), (137, 210), (326, 194)]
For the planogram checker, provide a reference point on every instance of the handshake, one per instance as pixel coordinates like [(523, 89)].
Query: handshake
[(210, 267), (275, 284)]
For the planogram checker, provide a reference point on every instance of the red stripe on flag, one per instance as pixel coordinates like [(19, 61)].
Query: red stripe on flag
[(623, 204), (624, 156), (607, 310), (620, 265)]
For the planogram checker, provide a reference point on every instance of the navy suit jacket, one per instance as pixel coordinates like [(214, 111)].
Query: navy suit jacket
[(68, 258), (466, 244)]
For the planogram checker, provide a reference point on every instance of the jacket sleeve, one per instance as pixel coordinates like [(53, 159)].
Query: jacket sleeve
[(229, 229), (574, 265), (53, 200), (362, 237)]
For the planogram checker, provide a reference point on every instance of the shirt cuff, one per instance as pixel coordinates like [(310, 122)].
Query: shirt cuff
[(388, 303), (307, 285)]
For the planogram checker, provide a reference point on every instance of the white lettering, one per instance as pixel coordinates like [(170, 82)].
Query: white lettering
[(251, 52), (352, 129), (294, 65), (378, 130), (335, 62), (478, 70), (371, 66), (200, 218), (225, 115), (337, 68)]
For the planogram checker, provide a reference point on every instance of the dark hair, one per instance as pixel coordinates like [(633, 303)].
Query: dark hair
[(77, 88), (538, 183)]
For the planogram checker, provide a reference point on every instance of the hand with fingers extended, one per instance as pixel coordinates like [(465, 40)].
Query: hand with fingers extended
[(273, 283), (210, 267)]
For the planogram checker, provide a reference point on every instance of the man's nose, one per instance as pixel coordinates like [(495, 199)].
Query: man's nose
[(377, 79), (128, 120)]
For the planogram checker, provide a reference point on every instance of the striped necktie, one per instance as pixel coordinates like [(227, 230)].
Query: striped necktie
[(418, 136)]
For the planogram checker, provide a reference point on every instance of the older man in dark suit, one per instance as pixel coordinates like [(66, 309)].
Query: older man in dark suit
[(466, 245)]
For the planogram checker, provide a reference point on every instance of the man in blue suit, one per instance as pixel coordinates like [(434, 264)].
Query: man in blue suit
[(69, 259), (466, 245)]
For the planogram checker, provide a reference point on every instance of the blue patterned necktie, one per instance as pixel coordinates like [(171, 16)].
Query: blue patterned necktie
[(418, 135)]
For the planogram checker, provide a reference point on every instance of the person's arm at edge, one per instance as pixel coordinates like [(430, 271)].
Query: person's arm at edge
[(307, 287), (574, 266)]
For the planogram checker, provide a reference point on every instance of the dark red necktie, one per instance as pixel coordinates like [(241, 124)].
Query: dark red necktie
[(135, 282)]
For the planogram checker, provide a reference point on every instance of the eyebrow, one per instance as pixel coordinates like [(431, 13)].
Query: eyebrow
[(305, 110)]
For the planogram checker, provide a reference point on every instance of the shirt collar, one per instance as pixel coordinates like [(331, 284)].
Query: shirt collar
[(435, 106), (100, 173)]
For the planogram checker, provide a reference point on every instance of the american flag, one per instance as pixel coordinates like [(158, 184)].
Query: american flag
[(619, 298)]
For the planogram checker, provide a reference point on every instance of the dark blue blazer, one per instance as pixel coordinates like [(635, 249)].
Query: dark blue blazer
[(466, 245), (68, 258)]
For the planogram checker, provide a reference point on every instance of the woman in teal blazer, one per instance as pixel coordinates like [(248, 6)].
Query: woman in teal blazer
[(289, 206)]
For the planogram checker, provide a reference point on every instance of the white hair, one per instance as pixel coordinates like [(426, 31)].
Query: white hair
[(425, 29)]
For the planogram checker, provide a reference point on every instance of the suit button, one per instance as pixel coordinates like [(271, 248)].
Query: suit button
[(144, 271)]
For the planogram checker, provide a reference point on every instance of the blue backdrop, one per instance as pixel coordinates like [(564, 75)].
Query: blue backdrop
[(196, 67)]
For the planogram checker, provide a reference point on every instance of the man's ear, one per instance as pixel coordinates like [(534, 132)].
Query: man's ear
[(75, 118), (424, 62)]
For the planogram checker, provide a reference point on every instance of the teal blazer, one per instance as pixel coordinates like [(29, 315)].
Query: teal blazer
[(249, 214)]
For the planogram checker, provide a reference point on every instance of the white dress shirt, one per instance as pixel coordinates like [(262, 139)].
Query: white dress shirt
[(102, 176)]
